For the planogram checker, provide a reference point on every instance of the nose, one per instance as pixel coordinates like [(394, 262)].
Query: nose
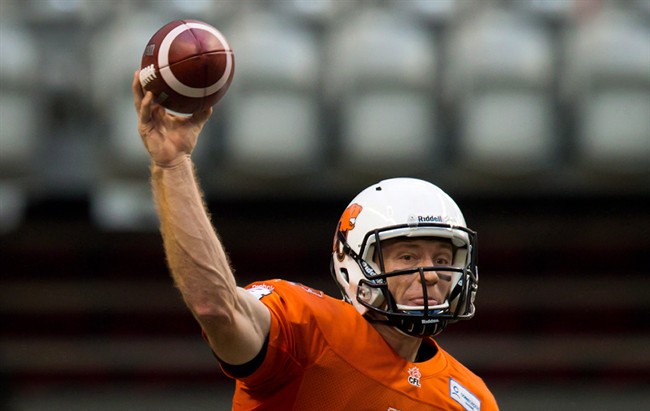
[(429, 277)]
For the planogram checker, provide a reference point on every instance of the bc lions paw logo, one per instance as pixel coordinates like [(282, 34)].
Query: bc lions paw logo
[(346, 223)]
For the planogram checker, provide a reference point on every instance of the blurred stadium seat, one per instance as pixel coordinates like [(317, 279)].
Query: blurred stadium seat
[(500, 80), (557, 12), (124, 175), (380, 80), (327, 87), (215, 12), (607, 80), (318, 14), (19, 121), (64, 152), (433, 13), (273, 105), (643, 6)]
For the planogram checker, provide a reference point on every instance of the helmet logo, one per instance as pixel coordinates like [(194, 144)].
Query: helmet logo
[(346, 224), (349, 218)]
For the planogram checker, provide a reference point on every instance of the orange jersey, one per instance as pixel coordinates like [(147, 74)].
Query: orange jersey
[(323, 355)]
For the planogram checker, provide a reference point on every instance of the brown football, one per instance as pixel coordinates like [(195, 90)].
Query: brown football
[(188, 65)]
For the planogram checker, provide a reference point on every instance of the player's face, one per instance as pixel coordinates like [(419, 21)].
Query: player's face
[(407, 253)]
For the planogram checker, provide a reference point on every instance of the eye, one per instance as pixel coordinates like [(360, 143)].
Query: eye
[(407, 259), (442, 260)]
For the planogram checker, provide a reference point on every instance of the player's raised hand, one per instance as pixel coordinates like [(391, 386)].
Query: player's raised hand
[(167, 138)]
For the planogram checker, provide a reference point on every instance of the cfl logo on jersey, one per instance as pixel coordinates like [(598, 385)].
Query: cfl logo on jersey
[(414, 376)]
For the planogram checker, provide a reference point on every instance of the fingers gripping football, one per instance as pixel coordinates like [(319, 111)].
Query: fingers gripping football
[(168, 138)]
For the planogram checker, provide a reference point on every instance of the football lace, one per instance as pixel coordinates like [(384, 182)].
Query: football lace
[(147, 75)]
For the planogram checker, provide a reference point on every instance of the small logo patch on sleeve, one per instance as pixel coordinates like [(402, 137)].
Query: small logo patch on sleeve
[(260, 290), (465, 398)]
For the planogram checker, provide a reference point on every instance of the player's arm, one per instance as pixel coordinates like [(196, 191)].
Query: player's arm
[(235, 322)]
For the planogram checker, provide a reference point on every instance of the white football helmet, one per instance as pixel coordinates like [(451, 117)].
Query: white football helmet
[(403, 207)]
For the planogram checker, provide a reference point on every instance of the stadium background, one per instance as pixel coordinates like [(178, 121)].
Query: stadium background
[(533, 114)]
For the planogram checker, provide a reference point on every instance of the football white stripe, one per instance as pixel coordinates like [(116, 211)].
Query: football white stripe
[(170, 78)]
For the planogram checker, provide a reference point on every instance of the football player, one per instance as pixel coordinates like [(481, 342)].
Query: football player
[(402, 256)]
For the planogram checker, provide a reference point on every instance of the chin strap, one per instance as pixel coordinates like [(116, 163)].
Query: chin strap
[(414, 327)]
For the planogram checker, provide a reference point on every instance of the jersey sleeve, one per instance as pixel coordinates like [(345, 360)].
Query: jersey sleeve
[(292, 343)]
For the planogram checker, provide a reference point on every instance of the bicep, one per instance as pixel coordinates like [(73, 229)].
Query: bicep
[(242, 339)]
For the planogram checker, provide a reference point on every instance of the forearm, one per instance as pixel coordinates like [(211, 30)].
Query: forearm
[(195, 255), (235, 322)]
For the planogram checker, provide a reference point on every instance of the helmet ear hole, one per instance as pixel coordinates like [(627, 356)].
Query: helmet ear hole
[(370, 295)]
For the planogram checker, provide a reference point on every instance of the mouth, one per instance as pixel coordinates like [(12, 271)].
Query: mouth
[(419, 302)]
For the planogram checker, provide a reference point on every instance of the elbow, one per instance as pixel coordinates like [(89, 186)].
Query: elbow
[(213, 315), (209, 303)]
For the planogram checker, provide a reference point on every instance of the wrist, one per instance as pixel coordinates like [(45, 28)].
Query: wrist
[(174, 174), (175, 163)]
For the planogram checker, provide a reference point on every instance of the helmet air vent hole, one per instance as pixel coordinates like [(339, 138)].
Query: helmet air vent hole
[(345, 274)]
